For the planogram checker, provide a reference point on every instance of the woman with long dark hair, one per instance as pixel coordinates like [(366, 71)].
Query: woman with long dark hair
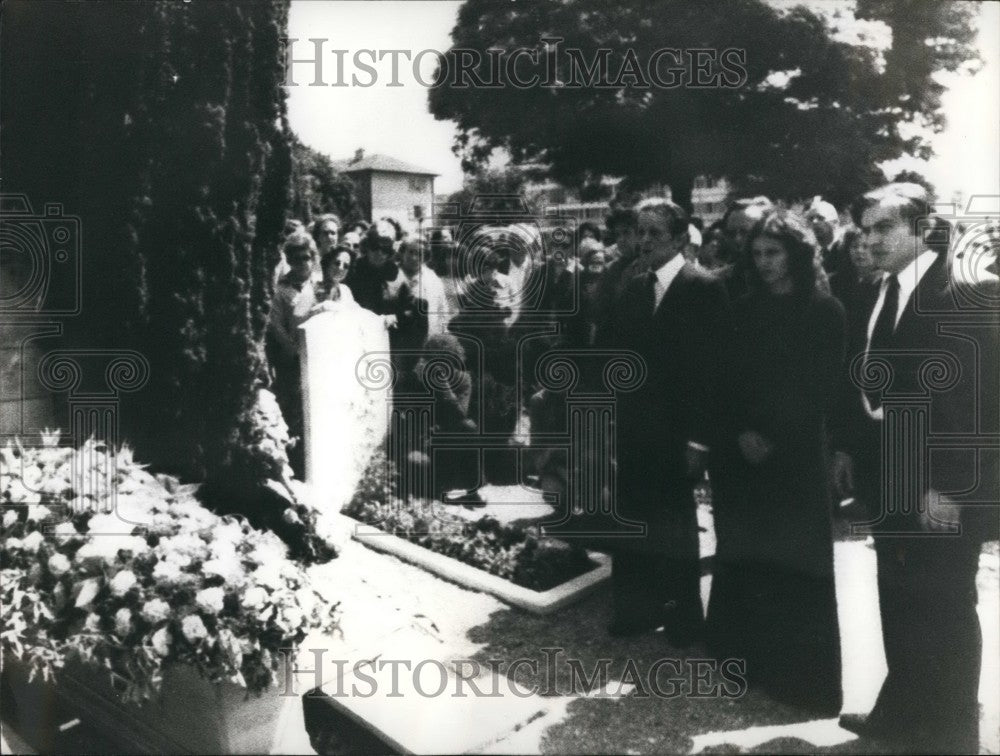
[(773, 601)]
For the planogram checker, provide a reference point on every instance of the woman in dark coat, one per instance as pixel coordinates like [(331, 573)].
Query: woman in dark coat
[(773, 601)]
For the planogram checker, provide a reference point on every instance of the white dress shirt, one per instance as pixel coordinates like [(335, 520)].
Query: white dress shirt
[(665, 276), (908, 277), (517, 277), (426, 285)]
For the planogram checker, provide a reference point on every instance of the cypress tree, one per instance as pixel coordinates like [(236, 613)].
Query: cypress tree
[(163, 126)]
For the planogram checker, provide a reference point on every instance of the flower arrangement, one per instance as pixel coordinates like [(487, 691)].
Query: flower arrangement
[(518, 554), (159, 580), (258, 484)]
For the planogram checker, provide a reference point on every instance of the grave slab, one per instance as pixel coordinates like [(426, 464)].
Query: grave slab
[(432, 706)]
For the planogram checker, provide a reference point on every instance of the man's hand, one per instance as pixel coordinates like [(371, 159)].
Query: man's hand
[(940, 514), (696, 460), (390, 321), (842, 473), (754, 447)]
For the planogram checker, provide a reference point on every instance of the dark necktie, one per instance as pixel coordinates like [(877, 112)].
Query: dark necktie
[(884, 327), (649, 291)]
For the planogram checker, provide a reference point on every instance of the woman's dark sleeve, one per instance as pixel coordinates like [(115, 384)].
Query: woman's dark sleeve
[(799, 417)]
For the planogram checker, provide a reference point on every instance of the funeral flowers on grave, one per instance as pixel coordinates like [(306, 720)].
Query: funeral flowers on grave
[(158, 581)]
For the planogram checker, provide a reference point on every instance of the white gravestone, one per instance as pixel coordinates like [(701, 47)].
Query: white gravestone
[(346, 390)]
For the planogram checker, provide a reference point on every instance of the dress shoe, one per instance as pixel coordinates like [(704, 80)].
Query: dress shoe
[(462, 497), (859, 724), (632, 626)]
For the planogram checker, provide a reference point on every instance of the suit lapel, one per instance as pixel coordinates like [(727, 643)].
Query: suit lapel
[(930, 296), (672, 292)]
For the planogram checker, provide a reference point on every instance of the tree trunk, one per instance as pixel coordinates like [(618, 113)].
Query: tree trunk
[(680, 190)]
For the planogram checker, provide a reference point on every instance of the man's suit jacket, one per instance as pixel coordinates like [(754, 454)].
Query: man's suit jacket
[(944, 351), (682, 345)]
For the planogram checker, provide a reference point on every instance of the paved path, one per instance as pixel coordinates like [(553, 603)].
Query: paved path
[(468, 625), (393, 611)]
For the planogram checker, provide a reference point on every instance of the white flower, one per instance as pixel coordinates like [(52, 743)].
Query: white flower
[(292, 616), (161, 641), (59, 564), (228, 567), (155, 610), (210, 600), (32, 477), (32, 541), (184, 545), (17, 491), (106, 547), (38, 513), (109, 524), (13, 544), (9, 518), (254, 597), (122, 582), (193, 628), (93, 623), (227, 533), (65, 530), (306, 600), (123, 622), (167, 571), (55, 483), (269, 550), (269, 575), (133, 509)]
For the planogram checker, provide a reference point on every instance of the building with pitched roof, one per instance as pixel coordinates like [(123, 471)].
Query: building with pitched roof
[(388, 187)]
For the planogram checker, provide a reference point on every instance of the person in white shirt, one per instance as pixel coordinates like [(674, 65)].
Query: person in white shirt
[(517, 268), (425, 285), (674, 316), (927, 370)]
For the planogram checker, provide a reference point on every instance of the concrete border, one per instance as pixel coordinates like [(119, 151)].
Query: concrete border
[(536, 602)]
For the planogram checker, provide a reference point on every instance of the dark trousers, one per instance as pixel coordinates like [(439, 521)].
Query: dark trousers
[(933, 643), (666, 590)]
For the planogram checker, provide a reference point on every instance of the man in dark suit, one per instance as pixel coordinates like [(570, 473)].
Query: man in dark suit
[(675, 316), (925, 425)]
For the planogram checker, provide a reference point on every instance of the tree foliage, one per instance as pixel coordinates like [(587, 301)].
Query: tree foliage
[(509, 180), (318, 188), (819, 109), (915, 178), (162, 125)]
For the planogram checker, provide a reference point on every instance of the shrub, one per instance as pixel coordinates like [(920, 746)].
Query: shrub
[(518, 554)]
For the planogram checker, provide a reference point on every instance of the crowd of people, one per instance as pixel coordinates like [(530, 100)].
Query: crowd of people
[(750, 331)]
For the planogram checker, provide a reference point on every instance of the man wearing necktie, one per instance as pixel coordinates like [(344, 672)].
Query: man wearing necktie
[(929, 366), (675, 316)]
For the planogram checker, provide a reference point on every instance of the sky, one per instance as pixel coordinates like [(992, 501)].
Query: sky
[(395, 120)]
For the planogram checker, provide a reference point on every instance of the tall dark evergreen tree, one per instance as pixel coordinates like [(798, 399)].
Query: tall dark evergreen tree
[(162, 125)]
